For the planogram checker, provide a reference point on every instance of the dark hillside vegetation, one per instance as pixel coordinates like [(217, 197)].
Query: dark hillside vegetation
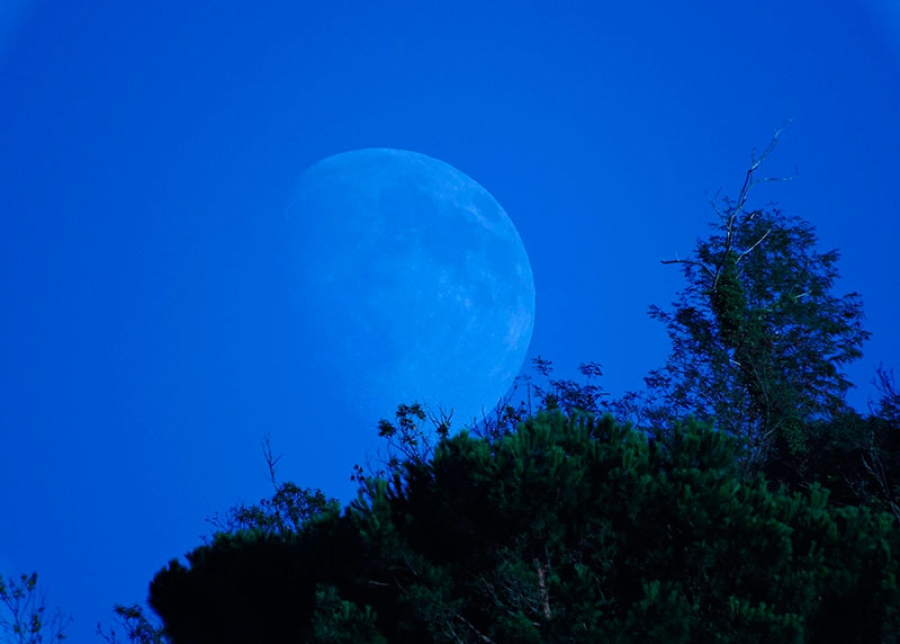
[(569, 529)]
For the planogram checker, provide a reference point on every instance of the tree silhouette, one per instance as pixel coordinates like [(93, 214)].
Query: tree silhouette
[(758, 337), (23, 613), (570, 529)]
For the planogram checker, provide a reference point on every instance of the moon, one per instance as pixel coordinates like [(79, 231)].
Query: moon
[(411, 284)]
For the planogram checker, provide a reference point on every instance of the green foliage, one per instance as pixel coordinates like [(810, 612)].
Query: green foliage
[(337, 621), (856, 457), (757, 345), (758, 337), (23, 613), (570, 529), (286, 512)]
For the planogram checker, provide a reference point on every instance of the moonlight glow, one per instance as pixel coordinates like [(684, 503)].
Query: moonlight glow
[(411, 283)]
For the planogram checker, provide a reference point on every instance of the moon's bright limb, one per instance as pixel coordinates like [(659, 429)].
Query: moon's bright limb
[(412, 283)]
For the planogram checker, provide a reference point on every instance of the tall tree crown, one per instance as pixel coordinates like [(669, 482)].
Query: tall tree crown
[(758, 336)]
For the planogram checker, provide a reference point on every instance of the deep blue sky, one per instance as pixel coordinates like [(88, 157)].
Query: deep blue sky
[(148, 151)]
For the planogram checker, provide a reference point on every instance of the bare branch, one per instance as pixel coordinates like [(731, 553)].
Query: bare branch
[(479, 634), (691, 262), (271, 460), (755, 244), (544, 590), (756, 162), (730, 214), (23, 612)]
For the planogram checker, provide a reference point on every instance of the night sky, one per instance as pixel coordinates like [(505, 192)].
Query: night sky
[(148, 152)]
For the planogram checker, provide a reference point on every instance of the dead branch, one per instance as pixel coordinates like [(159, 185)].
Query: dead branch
[(755, 244), (544, 590), (691, 262), (729, 215), (479, 634), (271, 460)]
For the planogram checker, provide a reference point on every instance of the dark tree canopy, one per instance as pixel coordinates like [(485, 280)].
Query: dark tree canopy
[(759, 338), (567, 530)]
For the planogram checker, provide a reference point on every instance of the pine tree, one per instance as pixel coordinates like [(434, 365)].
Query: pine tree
[(570, 529)]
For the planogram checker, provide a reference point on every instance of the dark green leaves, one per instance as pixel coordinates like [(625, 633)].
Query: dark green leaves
[(568, 530)]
